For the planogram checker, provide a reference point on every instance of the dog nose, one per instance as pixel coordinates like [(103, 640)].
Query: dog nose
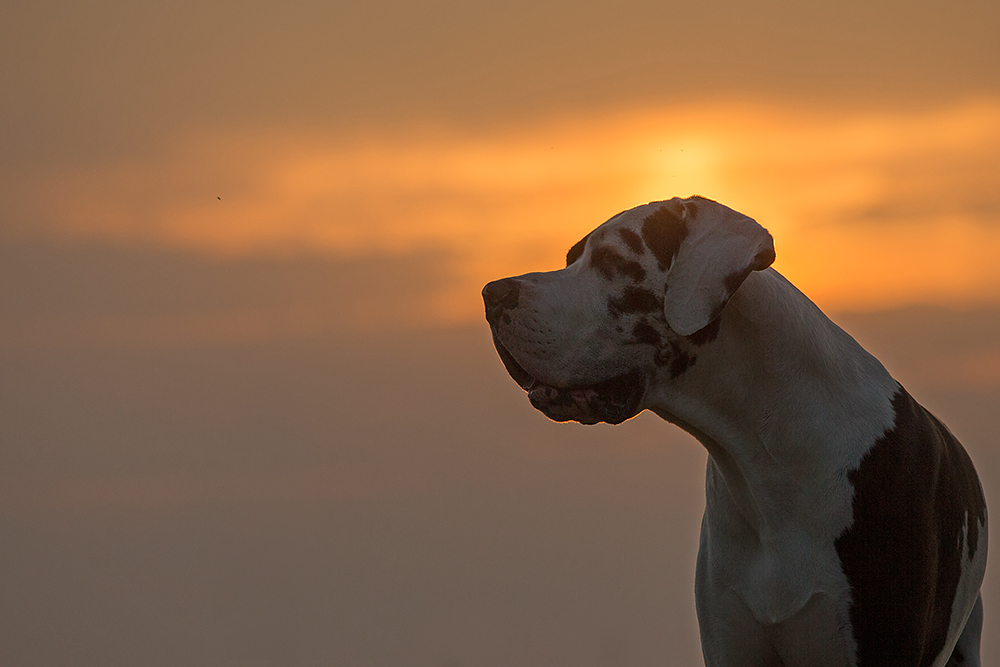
[(500, 295)]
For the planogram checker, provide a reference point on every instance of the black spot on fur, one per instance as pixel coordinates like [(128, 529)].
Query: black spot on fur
[(643, 332), (632, 240), (913, 492), (635, 273), (681, 363), (635, 300), (663, 232), (610, 264), (577, 250), (676, 357), (706, 334)]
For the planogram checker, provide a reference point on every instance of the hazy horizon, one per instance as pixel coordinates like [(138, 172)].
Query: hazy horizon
[(194, 476)]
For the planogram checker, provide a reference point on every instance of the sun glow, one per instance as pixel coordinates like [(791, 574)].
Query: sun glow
[(867, 210)]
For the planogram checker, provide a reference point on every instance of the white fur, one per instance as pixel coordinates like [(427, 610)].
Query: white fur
[(786, 404)]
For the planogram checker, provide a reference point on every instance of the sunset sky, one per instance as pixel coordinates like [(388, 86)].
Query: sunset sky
[(241, 250)]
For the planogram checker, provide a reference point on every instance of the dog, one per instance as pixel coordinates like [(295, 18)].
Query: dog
[(844, 524)]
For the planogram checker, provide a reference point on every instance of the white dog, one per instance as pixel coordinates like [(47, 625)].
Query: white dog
[(844, 524)]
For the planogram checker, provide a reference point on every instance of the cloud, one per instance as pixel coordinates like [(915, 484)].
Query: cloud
[(867, 209)]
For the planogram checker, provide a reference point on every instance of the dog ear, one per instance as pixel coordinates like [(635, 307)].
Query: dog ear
[(719, 250)]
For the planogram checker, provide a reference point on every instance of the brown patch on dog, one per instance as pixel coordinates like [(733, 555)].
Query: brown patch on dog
[(918, 508), (635, 300), (663, 231), (643, 332), (610, 264), (676, 357), (632, 240)]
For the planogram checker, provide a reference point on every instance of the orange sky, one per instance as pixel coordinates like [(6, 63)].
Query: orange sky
[(869, 210), (494, 135)]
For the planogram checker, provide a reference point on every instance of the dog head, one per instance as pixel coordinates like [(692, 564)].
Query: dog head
[(638, 296)]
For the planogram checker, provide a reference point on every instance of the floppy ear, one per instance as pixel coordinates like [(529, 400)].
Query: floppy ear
[(718, 252)]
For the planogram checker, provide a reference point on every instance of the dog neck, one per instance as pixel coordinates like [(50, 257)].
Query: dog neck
[(785, 402)]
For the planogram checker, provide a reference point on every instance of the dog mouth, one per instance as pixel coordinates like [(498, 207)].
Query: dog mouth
[(612, 401)]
